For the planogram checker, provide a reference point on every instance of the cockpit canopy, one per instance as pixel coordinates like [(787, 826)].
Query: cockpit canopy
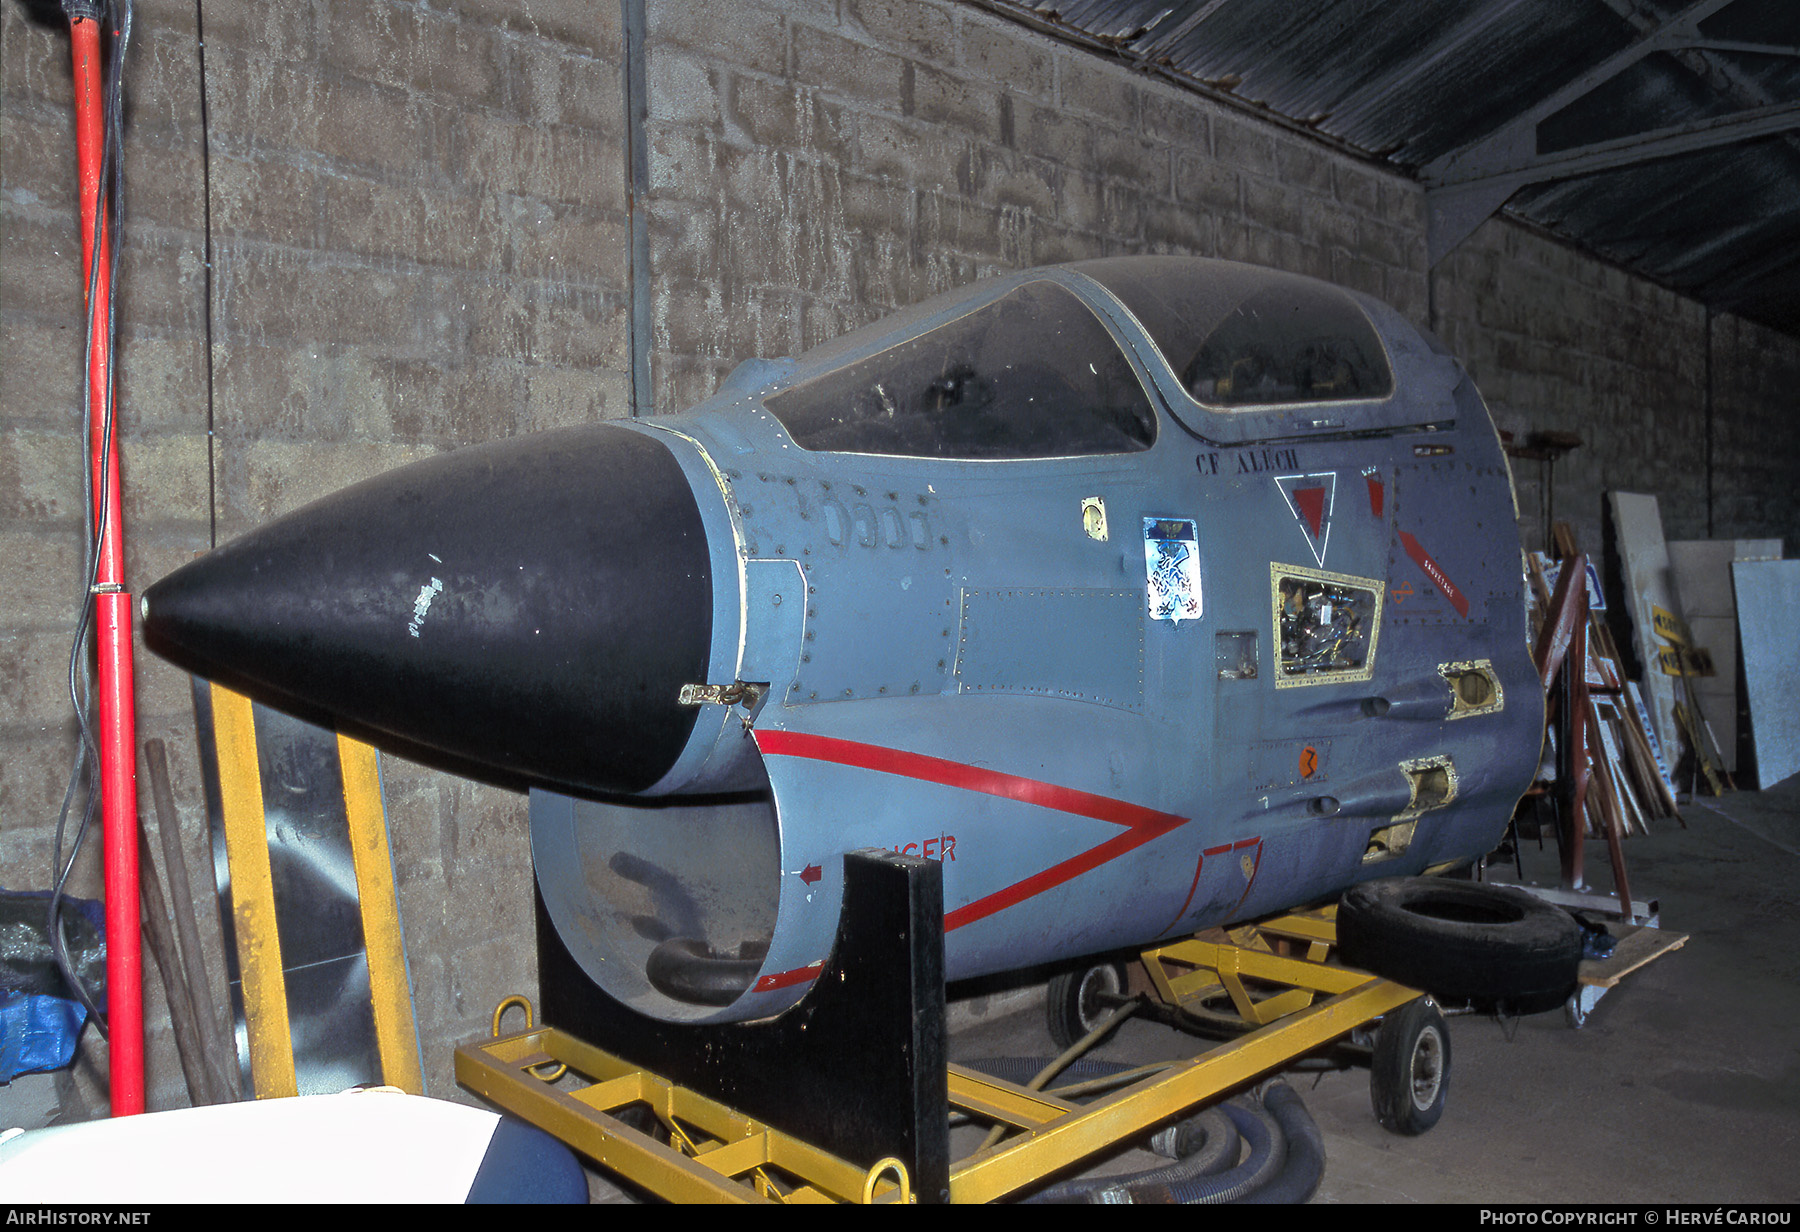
[(1248, 337), (1071, 361), (1032, 374)]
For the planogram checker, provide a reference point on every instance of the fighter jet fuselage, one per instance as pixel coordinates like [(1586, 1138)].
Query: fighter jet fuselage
[(1145, 595)]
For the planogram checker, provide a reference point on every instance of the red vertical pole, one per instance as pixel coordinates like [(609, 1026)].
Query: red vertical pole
[(112, 612)]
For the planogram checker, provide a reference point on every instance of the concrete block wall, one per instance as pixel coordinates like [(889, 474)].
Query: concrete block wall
[(1755, 444), (824, 163), (416, 214), (418, 242), (1558, 340)]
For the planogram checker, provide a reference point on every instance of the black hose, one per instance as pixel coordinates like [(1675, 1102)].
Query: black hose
[(1202, 1145), (1268, 1154), (1285, 1165), (1286, 1158), (1299, 1180)]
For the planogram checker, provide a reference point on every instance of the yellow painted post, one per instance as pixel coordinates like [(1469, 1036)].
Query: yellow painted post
[(390, 992), (252, 897)]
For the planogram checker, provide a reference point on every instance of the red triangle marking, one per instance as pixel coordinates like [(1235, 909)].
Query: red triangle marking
[(1311, 504)]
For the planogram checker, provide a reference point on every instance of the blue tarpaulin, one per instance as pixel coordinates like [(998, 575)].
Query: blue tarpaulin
[(37, 1033), (39, 1021)]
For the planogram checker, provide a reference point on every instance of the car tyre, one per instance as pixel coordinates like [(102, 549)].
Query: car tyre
[(1409, 1075), (1462, 941)]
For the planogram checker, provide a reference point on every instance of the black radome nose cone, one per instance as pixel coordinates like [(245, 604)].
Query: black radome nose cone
[(532, 606)]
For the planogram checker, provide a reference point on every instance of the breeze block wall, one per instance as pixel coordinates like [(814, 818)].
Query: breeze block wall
[(1558, 340), (417, 238), (822, 163), (416, 217)]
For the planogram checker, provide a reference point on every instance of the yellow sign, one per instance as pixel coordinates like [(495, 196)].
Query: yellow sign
[(1671, 626), (1680, 661)]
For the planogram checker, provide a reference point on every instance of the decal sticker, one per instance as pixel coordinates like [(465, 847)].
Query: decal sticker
[(811, 873), (1431, 569), (1310, 498), (422, 604), (1401, 593), (1093, 517), (1326, 625), (1377, 490), (1171, 569), (940, 847), (1309, 762), (1432, 451), (1249, 462)]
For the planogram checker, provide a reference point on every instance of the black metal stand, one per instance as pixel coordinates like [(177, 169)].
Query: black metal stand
[(857, 1067)]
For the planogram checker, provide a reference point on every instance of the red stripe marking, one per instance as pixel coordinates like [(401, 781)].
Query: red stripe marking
[(1199, 864), (1431, 569), (785, 979), (1255, 867), (1311, 504), (1141, 824)]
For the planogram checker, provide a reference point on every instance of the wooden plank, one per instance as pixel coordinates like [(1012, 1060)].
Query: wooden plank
[(1636, 947), (1630, 814)]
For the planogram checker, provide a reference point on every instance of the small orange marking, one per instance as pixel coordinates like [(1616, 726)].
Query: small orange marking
[(1309, 761), (1401, 592)]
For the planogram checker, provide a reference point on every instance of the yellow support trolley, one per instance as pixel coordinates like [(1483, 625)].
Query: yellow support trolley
[(1274, 981)]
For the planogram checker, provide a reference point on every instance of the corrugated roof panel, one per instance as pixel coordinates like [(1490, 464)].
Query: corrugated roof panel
[(1653, 93), (1412, 82)]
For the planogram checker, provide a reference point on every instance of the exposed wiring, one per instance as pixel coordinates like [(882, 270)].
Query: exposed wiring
[(206, 231), (95, 510)]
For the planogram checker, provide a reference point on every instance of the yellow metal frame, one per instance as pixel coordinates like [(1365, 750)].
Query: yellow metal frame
[(253, 897), (259, 957), (1296, 1002), (714, 1154)]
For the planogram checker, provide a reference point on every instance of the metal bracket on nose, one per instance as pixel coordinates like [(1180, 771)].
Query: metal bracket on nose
[(732, 694)]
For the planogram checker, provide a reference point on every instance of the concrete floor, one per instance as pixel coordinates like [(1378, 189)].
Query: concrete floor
[(1684, 1085)]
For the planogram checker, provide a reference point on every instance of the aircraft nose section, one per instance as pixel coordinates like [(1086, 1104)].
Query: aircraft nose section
[(531, 607)]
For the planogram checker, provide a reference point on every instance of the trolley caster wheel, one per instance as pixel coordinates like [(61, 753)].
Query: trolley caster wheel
[(1409, 1075), (1580, 1004), (1076, 1003)]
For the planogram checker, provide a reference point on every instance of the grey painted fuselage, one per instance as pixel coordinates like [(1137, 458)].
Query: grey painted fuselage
[(1268, 647)]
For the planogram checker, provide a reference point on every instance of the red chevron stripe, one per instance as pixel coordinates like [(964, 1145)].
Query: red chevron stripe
[(1141, 824)]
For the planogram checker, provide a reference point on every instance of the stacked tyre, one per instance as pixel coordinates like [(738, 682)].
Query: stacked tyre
[(1462, 941)]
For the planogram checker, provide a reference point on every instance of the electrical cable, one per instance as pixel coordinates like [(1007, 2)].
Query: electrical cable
[(94, 510)]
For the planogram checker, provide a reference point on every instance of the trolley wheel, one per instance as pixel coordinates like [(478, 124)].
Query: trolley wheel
[(1580, 1004), (1075, 1002), (1410, 1073)]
